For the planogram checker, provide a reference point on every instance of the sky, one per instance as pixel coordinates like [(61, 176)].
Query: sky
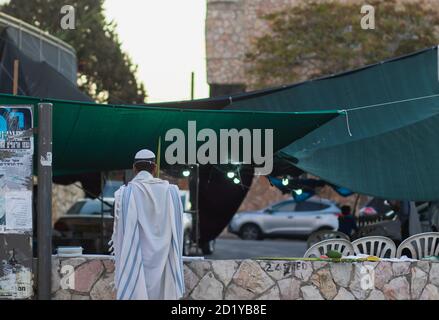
[(165, 38)]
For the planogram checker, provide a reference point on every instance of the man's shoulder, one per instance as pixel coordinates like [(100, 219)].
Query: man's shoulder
[(119, 191), (153, 184), (174, 187)]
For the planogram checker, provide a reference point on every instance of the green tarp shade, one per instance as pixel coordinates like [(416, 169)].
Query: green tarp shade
[(90, 137), (393, 151)]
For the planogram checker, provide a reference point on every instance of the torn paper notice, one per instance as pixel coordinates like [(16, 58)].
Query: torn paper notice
[(18, 207)]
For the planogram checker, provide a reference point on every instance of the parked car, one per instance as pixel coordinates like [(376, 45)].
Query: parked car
[(386, 222), (84, 225), (83, 222), (285, 219)]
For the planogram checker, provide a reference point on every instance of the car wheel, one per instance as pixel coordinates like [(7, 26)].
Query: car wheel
[(186, 244), (250, 232), (208, 247)]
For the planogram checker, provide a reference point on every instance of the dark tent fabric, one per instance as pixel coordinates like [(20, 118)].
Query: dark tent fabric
[(89, 137), (219, 199), (36, 79), (393, 119)]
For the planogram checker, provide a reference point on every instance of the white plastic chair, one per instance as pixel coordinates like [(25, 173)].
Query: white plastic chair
[(378, 246), (420, 245), (320, 248)]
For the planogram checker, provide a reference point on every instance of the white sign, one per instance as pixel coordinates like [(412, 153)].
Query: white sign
[(18, 208)]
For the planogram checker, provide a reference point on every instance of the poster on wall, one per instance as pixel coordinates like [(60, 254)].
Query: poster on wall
[(16, 154), (15, 266), (16, 186)]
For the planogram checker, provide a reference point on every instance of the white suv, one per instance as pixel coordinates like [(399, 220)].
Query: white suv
[(286, 218)]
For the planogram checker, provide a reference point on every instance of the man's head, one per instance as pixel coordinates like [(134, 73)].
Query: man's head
[(346, 210), (144, 161)]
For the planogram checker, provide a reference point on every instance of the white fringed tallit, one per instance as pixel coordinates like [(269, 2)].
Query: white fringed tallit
[(147, 240)]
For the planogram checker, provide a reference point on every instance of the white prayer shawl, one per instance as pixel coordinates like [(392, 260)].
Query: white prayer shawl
[(147, 240)]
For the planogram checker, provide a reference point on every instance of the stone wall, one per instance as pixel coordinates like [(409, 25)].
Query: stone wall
[(233, 25), (265, 280), (63, 197)]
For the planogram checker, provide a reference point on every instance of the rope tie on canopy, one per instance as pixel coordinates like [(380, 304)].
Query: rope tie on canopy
[(345, 112), (391, 102)]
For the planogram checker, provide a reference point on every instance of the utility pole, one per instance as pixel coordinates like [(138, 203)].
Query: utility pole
[(15, 77), (197, 206), (192, 85), (44, 212)]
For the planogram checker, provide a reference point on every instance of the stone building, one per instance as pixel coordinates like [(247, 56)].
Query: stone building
[(231, 28)]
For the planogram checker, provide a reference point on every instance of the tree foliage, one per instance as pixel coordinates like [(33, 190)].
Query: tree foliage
[(319, 38), (105, 72)]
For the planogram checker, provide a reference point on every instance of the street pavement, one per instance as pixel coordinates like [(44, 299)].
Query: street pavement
[(244, 249)]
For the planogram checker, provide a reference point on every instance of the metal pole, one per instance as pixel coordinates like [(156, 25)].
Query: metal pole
[(102, 246), (192, 85), (197, 203), (15, 77), (44, 211)]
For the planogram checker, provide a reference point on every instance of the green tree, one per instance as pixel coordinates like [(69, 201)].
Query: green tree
[(105, 72), (319, 38)]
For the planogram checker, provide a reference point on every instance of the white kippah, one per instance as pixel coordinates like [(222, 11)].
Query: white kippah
[(144, 154)]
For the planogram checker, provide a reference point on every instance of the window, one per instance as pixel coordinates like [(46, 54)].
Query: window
[(110, 188), (285, 207), (76, 208), (310, 206), (94, 207)]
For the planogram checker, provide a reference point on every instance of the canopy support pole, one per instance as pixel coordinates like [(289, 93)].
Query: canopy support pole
[(197, 207), (44, 213), (15, 79)]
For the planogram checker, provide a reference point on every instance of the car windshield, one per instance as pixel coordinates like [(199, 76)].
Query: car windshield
[(284, 206), (110, 188), (299, 206), (90, 207), (311, 206), (76, 208)]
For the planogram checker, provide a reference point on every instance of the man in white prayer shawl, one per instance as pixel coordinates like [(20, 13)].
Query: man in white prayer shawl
[(148, 236)]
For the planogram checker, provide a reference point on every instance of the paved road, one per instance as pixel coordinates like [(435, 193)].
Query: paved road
[(244, 249)]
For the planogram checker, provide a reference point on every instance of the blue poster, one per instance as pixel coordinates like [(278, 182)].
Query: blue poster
[(16, 186)]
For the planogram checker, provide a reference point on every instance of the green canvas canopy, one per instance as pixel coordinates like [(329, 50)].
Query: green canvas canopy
[(393, 117), (89, 137), (384, 146)]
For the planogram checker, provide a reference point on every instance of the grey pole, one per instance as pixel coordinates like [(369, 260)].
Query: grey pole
[(102, 246), (192, 85), (197, 204), (44, 211)]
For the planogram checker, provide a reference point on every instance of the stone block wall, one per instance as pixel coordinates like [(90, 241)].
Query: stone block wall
[(267, 280), (63, 197), (231, 29), (233, 25)]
